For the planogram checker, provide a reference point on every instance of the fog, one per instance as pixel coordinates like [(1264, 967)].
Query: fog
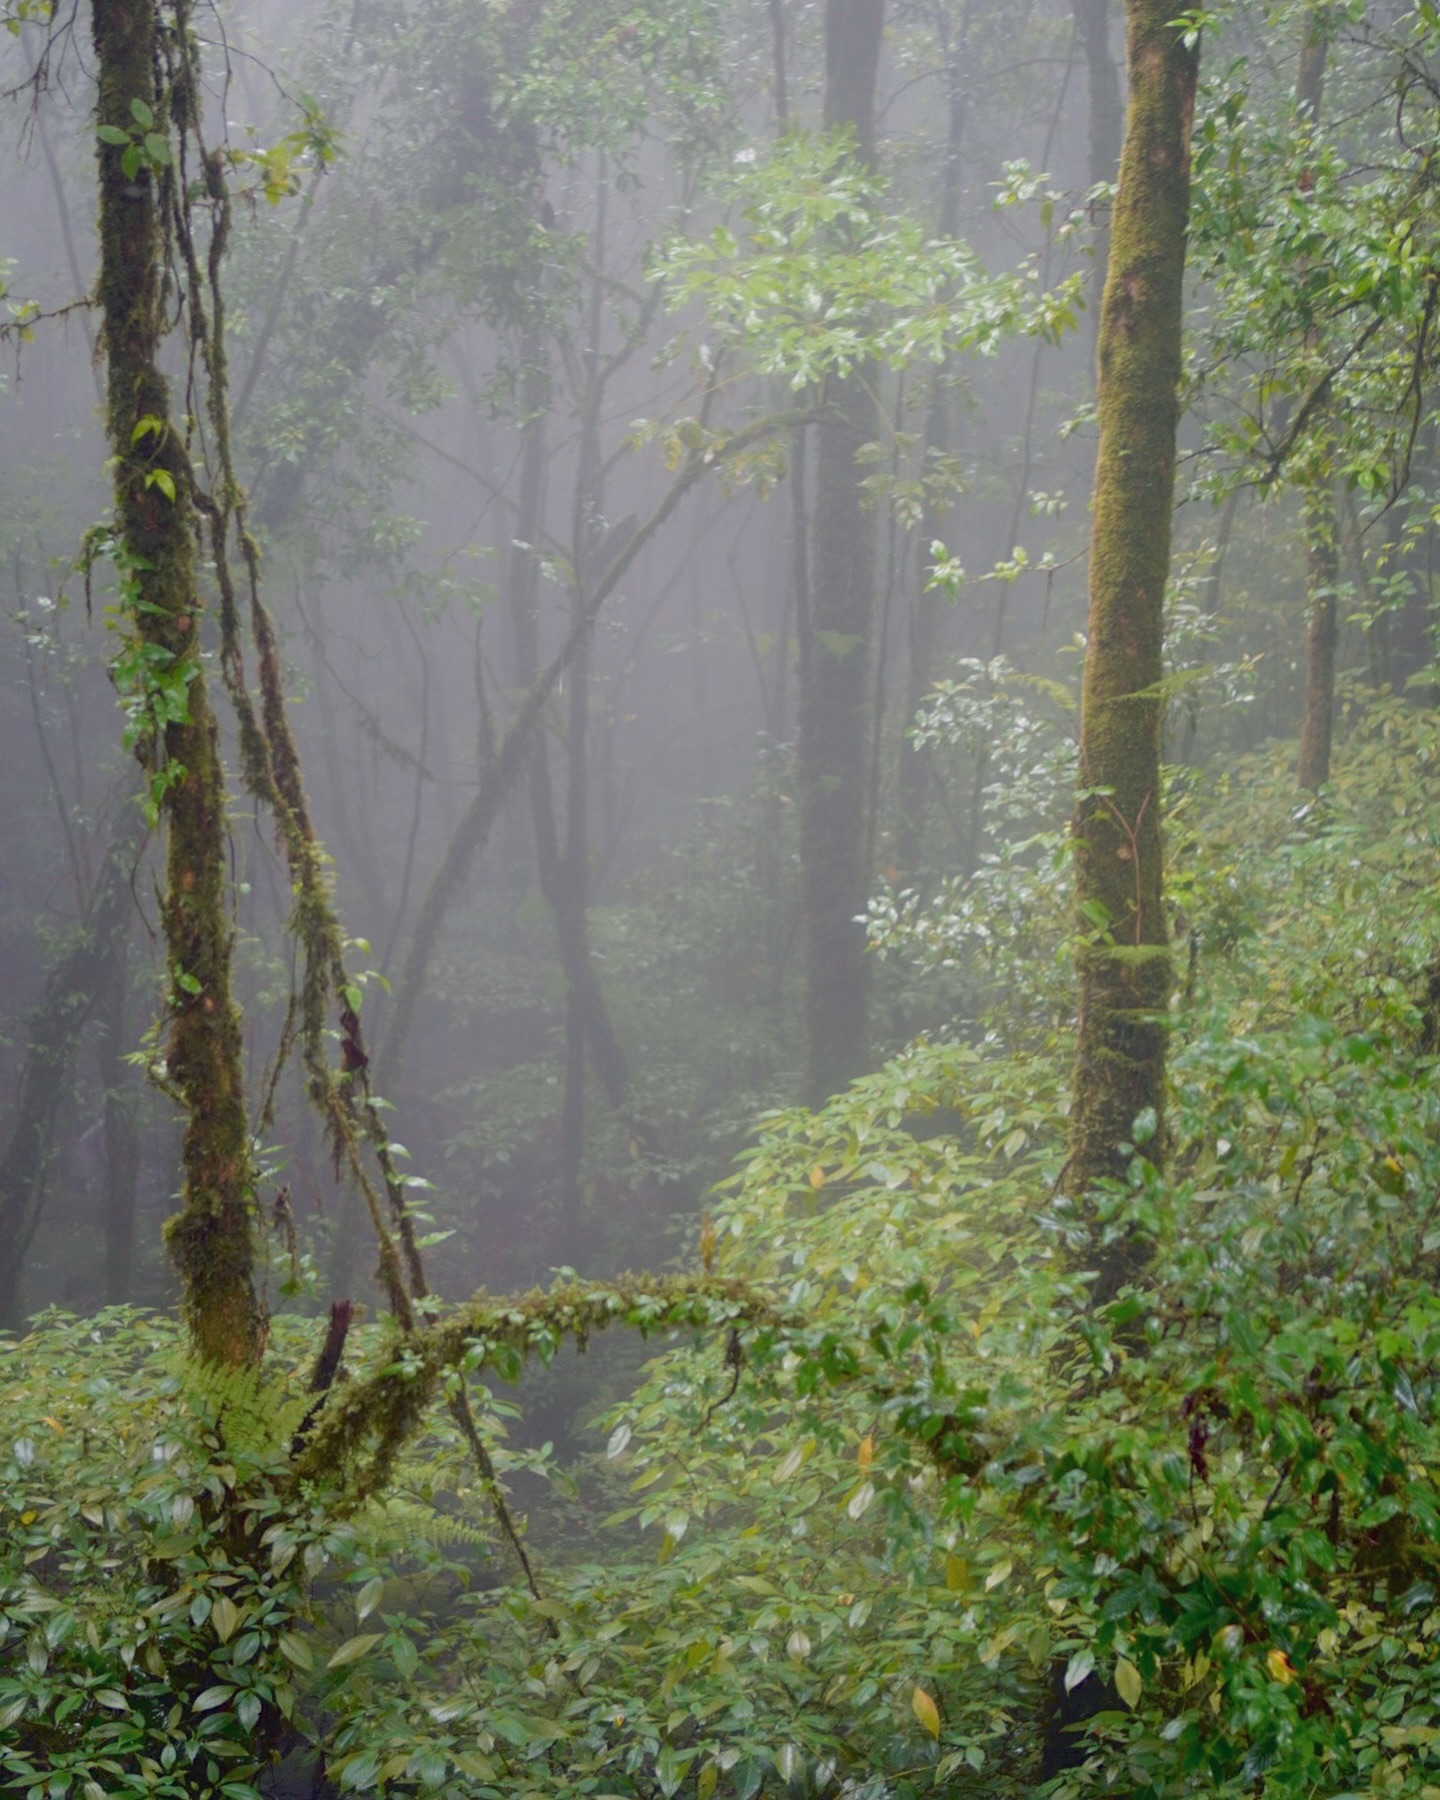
[(456, 375)]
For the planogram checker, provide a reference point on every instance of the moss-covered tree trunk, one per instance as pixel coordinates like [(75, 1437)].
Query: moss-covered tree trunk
[(835, 671), (210, 1238), (1123, 947)]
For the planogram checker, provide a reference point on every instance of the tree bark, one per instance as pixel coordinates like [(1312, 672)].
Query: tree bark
[(835, 676), (72, 991), (1322, 576), (210, 1238), (1123, 950), (1322, 523), (121, 1132), (1106, 119), (924, 620)]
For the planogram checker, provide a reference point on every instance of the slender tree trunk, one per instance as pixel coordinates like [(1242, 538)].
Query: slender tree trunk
[(835, 688), (72, 991), (1410, 631), (121, 1133), (1106, 121), (562, 868), (210, 1238), (1322, 576), (924, 619), (1322, 523), (1124, 954), (503, 771)]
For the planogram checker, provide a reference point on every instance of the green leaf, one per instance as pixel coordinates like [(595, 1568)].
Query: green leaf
[(141, 114), (295, 1650), (112, 134), (354, 1649), (1128, 1682)]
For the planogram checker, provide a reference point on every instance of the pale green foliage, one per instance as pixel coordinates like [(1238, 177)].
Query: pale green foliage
[(954, 1474), (828, 273)]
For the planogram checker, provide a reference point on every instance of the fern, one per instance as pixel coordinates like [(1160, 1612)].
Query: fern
[(395, 1524), (254, 1415)]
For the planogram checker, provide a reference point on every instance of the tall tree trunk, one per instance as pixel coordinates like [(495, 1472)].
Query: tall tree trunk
[(210, 1238), (1321, 518), (72, 991), (1124, 954), (563, 867), (1106, 120), (1322, 576), (835, 676), (924, 619), (121, 1133)]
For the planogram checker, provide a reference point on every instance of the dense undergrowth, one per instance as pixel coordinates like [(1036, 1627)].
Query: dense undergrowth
[(945, 1505)]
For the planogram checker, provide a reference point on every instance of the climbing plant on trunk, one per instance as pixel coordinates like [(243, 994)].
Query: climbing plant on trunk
[(1123, 947), (162, 680)]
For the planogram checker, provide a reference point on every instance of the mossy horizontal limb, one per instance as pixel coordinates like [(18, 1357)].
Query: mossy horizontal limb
[(367, 1422)]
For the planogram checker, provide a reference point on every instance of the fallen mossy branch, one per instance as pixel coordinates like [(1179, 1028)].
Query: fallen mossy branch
[(367, 1422)]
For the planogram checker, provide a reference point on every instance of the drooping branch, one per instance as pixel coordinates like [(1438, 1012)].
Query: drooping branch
[(366, 1423)]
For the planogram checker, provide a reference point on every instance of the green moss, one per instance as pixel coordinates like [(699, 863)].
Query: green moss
[(210, 1239), (1120, 1061), (366, 1423)]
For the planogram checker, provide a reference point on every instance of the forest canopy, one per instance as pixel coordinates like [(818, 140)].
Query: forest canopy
[(720, 963)]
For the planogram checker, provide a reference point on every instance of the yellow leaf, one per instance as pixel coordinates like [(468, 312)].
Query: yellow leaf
[(54, 1424), (865, 1453), (705, 1782), (29, 1516), (224, 1616), (1279, 1665), (1128, 1682), (957, 1573), (926, 1711), (817, 1177)]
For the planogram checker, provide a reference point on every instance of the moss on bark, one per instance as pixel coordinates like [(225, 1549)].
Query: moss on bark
[(210, 1238), (1123, 952)]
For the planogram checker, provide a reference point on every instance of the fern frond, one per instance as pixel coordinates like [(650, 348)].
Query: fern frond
[(253, 1413), (396, 1524)]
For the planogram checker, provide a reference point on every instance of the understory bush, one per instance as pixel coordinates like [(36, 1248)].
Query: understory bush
[(933, 1518)]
